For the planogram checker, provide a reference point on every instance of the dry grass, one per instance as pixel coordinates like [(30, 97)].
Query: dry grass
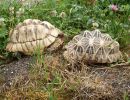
[(104, 84), (52, 78)]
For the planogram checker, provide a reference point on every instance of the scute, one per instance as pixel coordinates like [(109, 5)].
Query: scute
[(96, 47), (51, 38), (14, 36), (31, 34), (29, 46), (19, 47), (24, 47), (31, 21), (47, 24), (14, 48), (54, 33), (22, 34), (47, 42)]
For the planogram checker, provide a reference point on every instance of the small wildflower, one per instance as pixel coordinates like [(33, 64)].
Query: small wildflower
[(2, 21), (105, 26), (27, 5), (95, 24), (53, 13), (79, 18), (90, 21), (18, 14), (108, 21), (11, 9), (21, 10), (62, 15), (103, 15), (11, 19), (113, 7)]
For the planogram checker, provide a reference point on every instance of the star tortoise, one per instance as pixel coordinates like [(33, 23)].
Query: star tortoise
[(31, 34), (92, 46)]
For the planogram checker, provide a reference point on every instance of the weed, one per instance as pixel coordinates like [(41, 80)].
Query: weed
[(71, 16)]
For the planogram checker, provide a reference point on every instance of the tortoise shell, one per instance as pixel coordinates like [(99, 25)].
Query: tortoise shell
[(30, 35), (92, 46)]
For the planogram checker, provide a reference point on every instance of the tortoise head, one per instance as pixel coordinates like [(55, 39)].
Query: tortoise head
[(58, 42)]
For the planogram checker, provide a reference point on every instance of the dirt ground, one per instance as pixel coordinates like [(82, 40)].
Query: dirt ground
[(96, 82)]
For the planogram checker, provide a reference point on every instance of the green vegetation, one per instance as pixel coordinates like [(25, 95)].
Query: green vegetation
[(71, 16)]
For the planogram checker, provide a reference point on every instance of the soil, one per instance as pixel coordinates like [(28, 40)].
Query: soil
[(98, 83), (15, 68)]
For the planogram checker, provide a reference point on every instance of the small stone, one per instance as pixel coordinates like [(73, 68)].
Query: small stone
[(12, 72), (10, 83)]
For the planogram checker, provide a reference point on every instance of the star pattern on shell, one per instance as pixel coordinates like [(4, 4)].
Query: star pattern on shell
[(93, 46)]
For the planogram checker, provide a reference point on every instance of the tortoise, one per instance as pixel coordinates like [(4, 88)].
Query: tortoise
[(33, 34), (92, 47)]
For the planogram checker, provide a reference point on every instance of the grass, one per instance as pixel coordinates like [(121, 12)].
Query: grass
[(78, 17), (48, 78), (45, 81)]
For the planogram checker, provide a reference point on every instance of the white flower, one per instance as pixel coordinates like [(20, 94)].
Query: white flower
[(102, 15), (95, 24), (62, 15), (21, 10), (18, 14), (90, 21), (53, 13), (2, 21), (11, 9), (27, 5)]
